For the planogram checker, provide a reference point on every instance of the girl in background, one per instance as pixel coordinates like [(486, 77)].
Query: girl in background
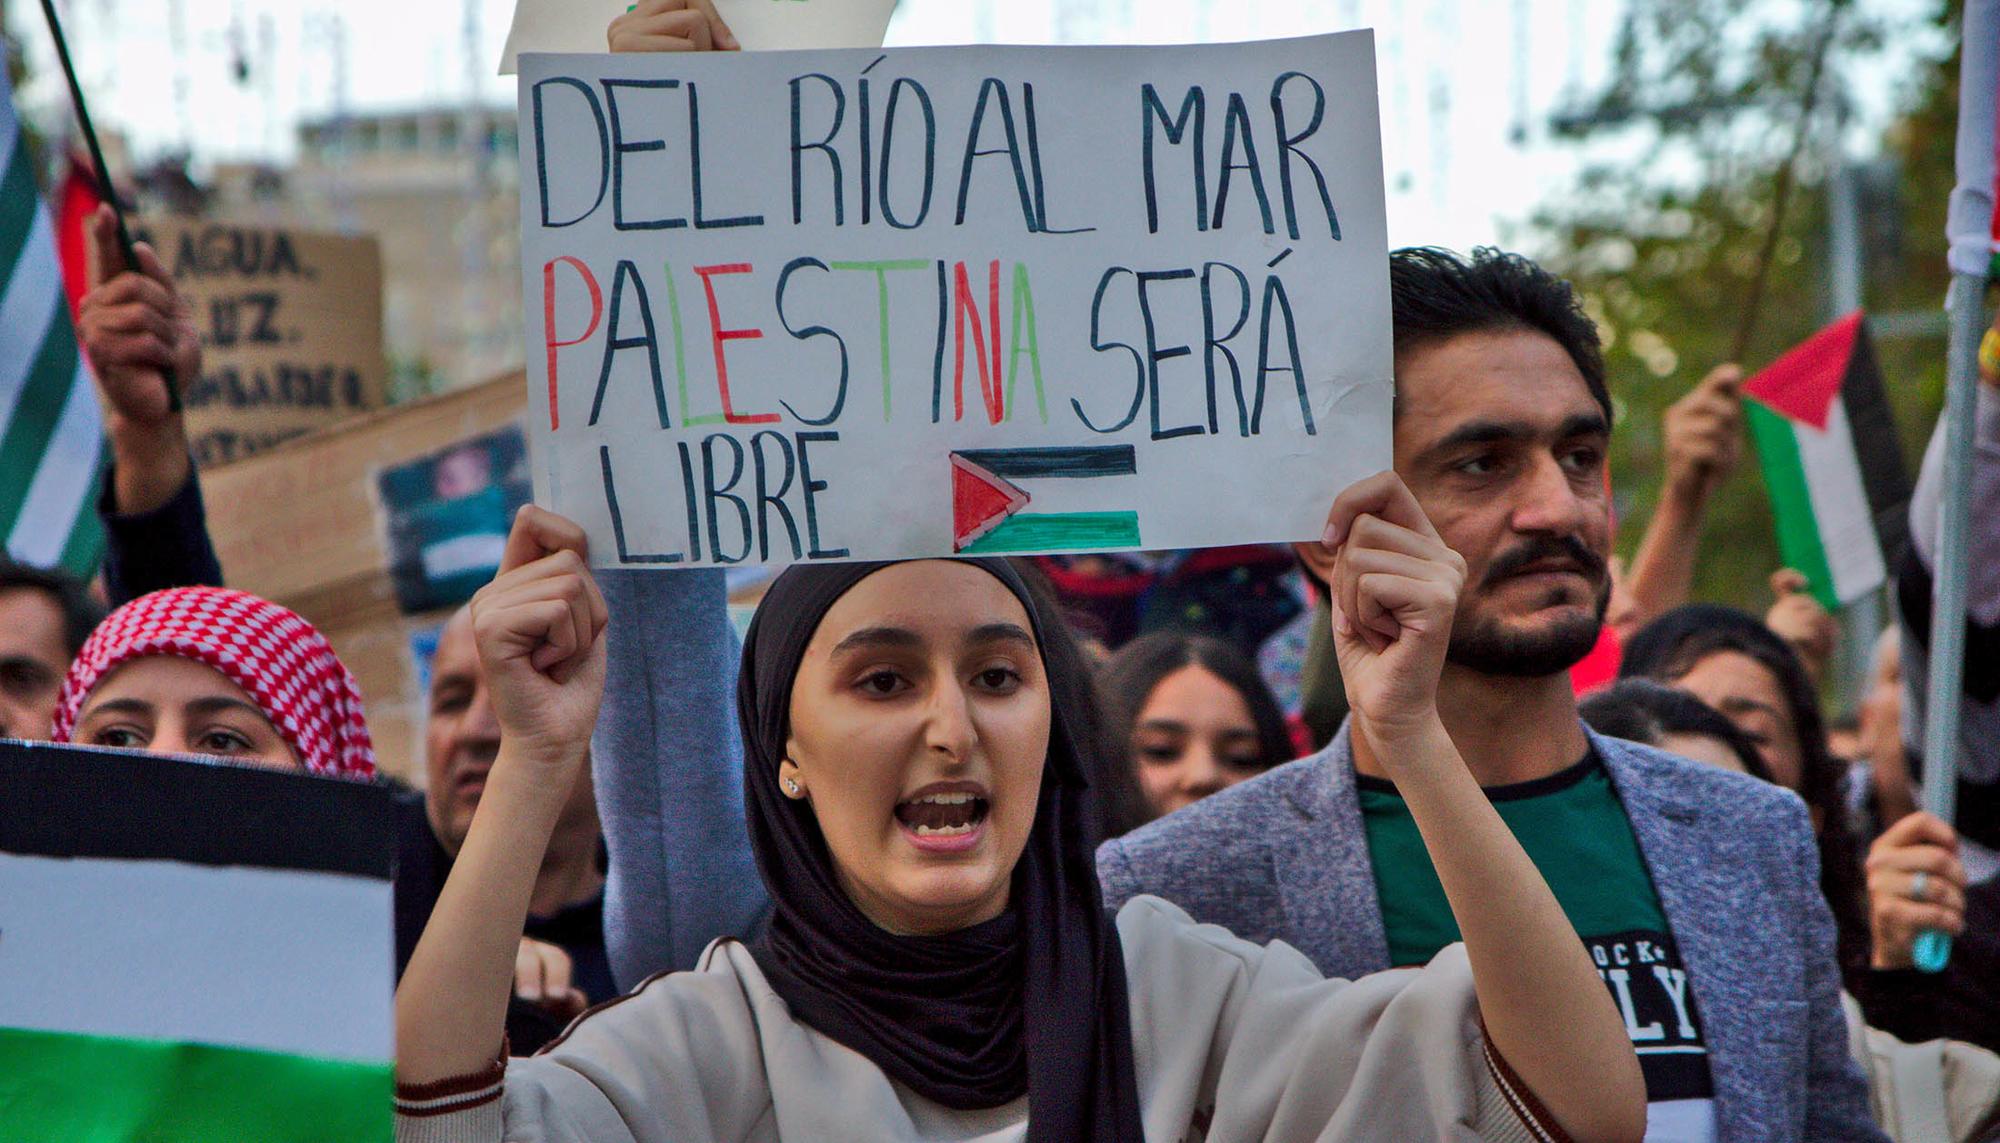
[(1192, 715)]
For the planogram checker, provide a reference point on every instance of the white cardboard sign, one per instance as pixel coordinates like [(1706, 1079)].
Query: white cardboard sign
[(759, 25), (868, 304)]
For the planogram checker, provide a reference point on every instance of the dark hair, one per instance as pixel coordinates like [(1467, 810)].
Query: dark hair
[(1438, 294), (1118, 805), (1648, 712), (81, 611), (1670, 646), (1129, 677)]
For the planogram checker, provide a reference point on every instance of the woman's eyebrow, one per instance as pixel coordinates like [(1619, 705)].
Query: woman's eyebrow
[(879, 638), (1000, 633), (216, 704), (1736, 704), (120, 706)]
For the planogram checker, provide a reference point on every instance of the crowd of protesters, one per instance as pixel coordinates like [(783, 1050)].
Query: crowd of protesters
[(1245, 843)]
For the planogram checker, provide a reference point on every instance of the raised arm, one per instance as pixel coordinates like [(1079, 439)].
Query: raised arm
[(667, 760), (539, 627), (131, 323), (1703, 432), (1395, 588)]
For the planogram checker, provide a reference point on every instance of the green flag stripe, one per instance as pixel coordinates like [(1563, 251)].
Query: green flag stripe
[(98, 1089), (1791, 501), (85, 549), (19, 202), (43, 392), (1060, 531)]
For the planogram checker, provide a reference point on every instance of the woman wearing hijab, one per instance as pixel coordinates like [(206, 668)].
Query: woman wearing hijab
[(938, 964), (210, 670)]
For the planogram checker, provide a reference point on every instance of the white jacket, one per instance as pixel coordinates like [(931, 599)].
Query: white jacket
[(1232, 1041)]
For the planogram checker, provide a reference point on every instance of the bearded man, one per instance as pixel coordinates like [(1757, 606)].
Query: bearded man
[(1696, 890)]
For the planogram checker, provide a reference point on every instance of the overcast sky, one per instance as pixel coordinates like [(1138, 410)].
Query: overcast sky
[(1465, 84)]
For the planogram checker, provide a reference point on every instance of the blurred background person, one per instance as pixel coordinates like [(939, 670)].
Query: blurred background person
[(1730, 660), (1654, 714), (45, 616), (1883, 791), (1192, 715)]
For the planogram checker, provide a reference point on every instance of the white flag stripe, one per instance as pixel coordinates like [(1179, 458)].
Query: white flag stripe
[(252, 958), (33, 293), (61, 489), (1840, 506)]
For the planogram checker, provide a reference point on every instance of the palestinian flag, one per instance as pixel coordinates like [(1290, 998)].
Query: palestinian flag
[(1827, 443), (992, 488), (191, 952)]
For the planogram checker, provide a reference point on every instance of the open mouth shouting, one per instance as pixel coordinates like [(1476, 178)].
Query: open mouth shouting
[(946, 817)]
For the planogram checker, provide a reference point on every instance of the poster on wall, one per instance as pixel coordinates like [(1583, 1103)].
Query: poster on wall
[(447, 516), (877, 304)]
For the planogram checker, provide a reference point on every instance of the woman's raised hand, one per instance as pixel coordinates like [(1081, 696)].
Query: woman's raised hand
[(671, 26), (539, 628), (1915, 882), (1395, 590)]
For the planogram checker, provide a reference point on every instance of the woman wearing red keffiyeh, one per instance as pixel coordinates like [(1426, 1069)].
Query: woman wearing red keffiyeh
[(210, 670)]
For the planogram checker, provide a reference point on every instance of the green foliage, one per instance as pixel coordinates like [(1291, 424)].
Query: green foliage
[(1663, 229)]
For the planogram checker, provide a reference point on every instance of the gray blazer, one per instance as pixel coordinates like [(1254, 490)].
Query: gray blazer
[(1284, 857)]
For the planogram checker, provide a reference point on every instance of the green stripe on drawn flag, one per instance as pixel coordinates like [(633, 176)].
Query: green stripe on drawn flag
[(1827, 447), (1060, 532), (51, 436), (192, 952), (102, 1089), (991, 488)]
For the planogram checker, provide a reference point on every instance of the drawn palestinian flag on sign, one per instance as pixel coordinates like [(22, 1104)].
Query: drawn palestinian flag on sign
[(1827, 443), (191, 952), (990, 488)]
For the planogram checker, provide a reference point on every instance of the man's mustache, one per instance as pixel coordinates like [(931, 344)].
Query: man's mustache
[(1547, 549)]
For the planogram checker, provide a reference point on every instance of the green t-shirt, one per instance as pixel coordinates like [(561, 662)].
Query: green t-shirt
[(1575, 831)]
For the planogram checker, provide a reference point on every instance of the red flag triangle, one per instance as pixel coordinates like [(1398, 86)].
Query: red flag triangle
[(1804, 383), (979, 501)]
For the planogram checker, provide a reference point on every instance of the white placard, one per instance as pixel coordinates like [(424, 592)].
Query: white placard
[(867, 304), (758, 25)]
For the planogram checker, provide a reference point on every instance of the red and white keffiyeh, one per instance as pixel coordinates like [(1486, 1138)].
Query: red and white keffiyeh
[(281, 660)]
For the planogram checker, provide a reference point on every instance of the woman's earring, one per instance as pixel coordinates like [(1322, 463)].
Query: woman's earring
[(792, 786)]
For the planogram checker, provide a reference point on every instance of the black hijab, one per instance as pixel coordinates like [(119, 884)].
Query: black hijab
[(1032, 1001)]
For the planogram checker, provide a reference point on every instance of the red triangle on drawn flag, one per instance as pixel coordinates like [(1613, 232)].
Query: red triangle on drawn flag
[(1804, 383), (979, 501)]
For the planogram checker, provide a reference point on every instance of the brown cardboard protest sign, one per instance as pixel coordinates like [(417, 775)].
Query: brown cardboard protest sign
[(291, 330)]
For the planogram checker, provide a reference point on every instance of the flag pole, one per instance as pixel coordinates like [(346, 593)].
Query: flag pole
[(103, 173), (1967, 305), (1970, 232)]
